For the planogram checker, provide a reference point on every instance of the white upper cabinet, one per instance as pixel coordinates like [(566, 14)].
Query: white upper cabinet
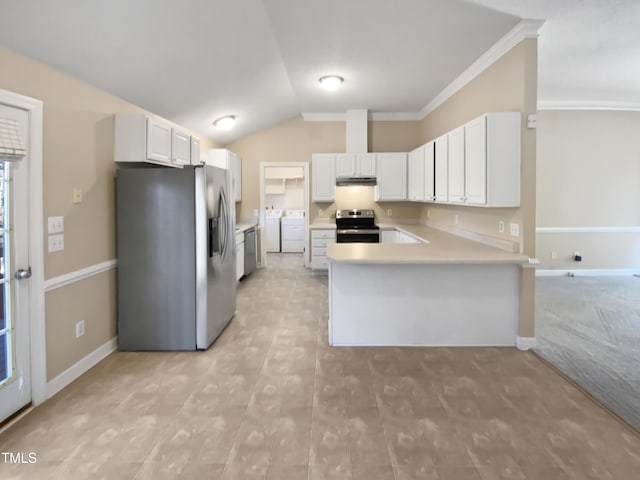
[(441, 169), (195, 151), (455, 139), (223, 158), (416, 177), (323, 176), (355, 165), (180, 147), (475, 161), (345, 165), (158, 141), (429, 192), (145, 139), (484, 161), (391, 177), (365, 165)]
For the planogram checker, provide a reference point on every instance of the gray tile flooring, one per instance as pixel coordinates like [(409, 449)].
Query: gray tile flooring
[(271, 400)]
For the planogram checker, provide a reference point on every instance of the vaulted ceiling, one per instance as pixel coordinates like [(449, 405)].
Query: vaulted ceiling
[(196, 60)]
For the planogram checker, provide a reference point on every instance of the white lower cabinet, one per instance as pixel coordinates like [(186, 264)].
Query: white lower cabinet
[(239, 255), (320, 238)]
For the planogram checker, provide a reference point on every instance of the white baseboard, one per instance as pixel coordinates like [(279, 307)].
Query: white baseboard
[(589, 272), (80, 367), (526, 343)]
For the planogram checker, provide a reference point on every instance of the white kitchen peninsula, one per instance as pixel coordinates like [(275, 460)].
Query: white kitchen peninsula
[(448, 292)]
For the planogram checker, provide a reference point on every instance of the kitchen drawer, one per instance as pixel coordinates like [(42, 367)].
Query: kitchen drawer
[(323, 234), (319, 251), (319, 262), (321, 242)]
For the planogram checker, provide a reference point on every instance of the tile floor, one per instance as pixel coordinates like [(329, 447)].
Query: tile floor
[(270, 400)]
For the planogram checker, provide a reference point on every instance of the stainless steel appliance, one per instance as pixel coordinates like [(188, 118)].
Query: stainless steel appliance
[(176, 256), (356, 226), (250, 251)]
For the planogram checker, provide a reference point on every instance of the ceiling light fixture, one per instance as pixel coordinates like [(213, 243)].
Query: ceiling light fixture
[(225, 123), (331, 82)]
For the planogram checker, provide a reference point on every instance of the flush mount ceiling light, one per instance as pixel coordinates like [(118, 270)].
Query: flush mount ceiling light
[(225, 123), (331, 82)]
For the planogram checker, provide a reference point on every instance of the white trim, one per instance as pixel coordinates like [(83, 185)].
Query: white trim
[(526, 343), (72, 277), (589, 272), (36, 242), (324, 116), (527, 28), (394, 116), (80, 367), (629, 229), (615, 106)]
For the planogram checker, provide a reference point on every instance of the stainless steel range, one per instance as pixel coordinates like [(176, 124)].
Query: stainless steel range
[(356, 226)]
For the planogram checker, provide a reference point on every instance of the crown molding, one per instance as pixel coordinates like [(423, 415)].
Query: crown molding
[(570, 105), (394, 116), (324, 116), (527, 28)]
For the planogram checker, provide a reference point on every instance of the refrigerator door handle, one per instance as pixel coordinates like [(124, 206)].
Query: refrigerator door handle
[(224, 219)]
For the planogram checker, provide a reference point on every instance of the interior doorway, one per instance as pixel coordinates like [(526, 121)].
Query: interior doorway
[(284, 188)]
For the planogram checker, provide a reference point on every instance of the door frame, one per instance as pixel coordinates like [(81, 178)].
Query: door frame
[(36, 243), (263, 204)]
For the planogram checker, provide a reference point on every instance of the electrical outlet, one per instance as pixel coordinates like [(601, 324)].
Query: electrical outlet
[(389, 212), (455, 219), (55, 224), (515, 229), (501, 226), (79, 328), (56, 243), (77, 195), (554, 255)]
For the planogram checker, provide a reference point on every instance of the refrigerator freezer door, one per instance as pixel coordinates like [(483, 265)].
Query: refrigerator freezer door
[(155, 241), (216, 291)]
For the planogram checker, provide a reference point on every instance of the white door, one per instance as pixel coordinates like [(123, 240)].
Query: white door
[(392, 177), (475, 158), (158, 141), (15, 378), (180, 147), (456, 165), (323, 177)]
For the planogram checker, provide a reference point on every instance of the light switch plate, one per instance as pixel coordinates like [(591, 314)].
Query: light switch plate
[(515, 229), (55, 224), (56, 243), (77, 195)]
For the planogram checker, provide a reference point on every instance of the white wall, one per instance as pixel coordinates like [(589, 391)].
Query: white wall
[(588, 179)]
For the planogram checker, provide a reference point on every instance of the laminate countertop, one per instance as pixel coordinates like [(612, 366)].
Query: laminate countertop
[(242, 227), (442, 248)]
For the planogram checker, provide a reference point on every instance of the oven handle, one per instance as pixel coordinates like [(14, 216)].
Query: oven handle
[(356, 231)]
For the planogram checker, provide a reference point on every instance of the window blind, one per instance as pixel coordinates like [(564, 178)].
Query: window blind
[(12, 145)]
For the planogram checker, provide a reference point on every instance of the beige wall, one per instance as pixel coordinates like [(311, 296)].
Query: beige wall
[(296, 140), (78, 152), (510, 84), (588, 176)]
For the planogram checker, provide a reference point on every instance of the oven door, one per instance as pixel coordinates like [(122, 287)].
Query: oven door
[(358, 236)]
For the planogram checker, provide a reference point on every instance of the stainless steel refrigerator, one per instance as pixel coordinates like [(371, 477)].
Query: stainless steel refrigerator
[(176, 281)]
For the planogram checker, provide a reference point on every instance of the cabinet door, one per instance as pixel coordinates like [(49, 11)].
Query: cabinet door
[(345, 165), (392, 176), (429, 187), (195, 151), (475, 158), (240, 260), (441, 170), (323, 177), (180, 148), (389, 236), (415, 167), (158, 141), (366, 165), (456, 165)]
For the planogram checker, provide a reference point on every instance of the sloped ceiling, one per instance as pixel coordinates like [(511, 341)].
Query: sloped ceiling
[(196, 60)]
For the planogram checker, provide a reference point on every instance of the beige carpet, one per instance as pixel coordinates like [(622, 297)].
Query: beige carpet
[(270, 400), (589, 328)]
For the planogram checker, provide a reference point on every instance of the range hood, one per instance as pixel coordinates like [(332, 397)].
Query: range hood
[(362, 181)]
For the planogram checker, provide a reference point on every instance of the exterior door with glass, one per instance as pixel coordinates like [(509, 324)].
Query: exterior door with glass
[(15, 376)]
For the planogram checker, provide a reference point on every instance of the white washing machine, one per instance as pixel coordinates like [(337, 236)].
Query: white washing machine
[(272, 229), (293, 231)]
